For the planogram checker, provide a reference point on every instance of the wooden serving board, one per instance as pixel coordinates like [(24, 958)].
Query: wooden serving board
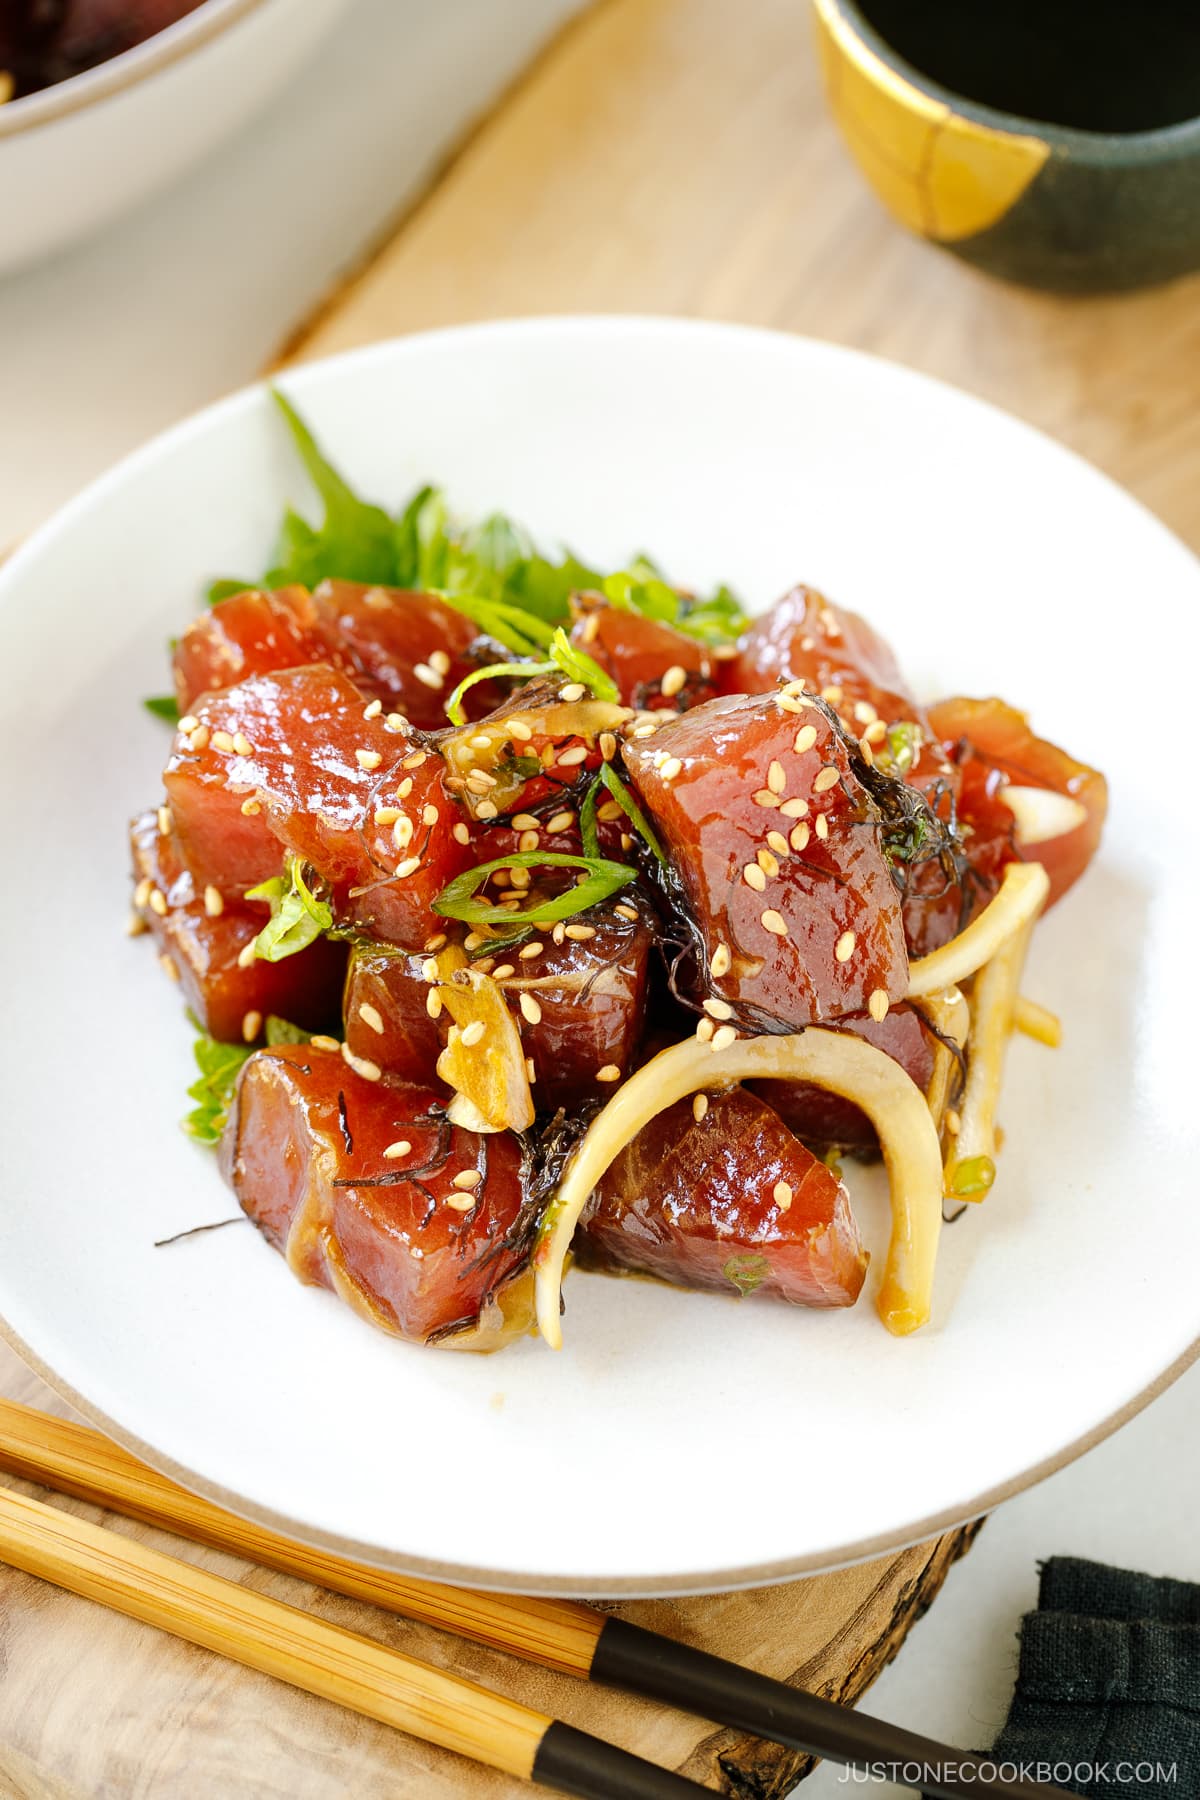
[(664, 156)]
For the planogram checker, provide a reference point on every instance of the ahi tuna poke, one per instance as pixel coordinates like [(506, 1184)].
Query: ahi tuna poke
[(535, 916)]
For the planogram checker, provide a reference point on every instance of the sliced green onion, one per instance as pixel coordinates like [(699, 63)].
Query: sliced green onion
[(972, 1176), (163, 706), (589, 830), (525, 670), (297, 917), (458, 901), (511, 626), (630, 808), (579, 666)]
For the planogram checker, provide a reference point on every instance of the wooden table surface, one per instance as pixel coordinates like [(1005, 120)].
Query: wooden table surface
[(665, 156)]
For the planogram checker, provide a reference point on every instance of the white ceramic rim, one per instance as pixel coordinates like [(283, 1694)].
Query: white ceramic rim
[(169, 45), (466, 1575)]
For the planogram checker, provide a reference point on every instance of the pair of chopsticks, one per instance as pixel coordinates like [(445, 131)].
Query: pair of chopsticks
[(425, 1702)]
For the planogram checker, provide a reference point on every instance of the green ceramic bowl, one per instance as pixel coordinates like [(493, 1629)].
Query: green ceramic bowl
[(1051, 205)]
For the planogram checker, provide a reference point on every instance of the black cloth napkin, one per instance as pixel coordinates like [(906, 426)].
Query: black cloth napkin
[(1108, 1686)]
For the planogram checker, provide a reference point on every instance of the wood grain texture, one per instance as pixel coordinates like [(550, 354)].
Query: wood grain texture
[(676, 156)]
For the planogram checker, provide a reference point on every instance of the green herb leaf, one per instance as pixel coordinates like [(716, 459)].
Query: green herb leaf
[(630, 808), (297, 917), (226, 588), (163, 706), (282, 1031), (524, 671), (458, 901), (356, 540), (747, 1272), (219, 1065)]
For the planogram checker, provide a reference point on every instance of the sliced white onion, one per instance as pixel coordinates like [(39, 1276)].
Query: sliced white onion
[(1040, 814), (1037, 1022), (831, 1059), (993, 1007), (1021, 896), (950, 1014)]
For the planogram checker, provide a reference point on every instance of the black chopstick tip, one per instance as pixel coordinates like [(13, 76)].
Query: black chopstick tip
[(574, 1763)]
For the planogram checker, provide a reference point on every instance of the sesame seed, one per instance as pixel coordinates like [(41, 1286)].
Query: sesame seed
[(626, 842), (405, 788), (408, 867), (777, 842), (723, 1036), (396, 721), (877, 1005), (520, 878), (844, 948), (765, 797), (591, 626), (774, 922), (530, 1071), (440, 661), (469, 1178), (250, 807), (436, 942), (362, 1065), (559, 932), (644, 731), (503, 972), (718, 1009), (373, 711), (247, 954), (473, 1033), (528, 951), (792, 688), (525, 822), (875, 734), (822, 826), (222, 740), (574, 690), (414, 759), (530, 1009), (767, 863), (609, 813), (480, 741), (721, 961), (795, 809), (699, 1106), (430, 815), (386, 815), (673, 680), (808, 643), (429, 676), (199, 739), (827, 778), (799, 837), (568, 758), (168, 966), (776, 779), (322, 1042), (754, 878), (158, 902), (486, 809), (135, 925), (804, 739), (627, 912), (518, 729), (953, 1121), (704, 1030), (868, 755), (430, 970), (188, 723), (370, 1015), (560, 821), (832, 695), (460, 1202), (461, 832), (242, 744), (671, 768), (610, 1072), (581, 933), (141, 893), (433, 1004), (368, 759), (400, 1148), (164, 821), (251, 1026), (480, 782), (781, 1193), (402, 831), (529, 840), (214, 904), (608, 745), (864, 712)]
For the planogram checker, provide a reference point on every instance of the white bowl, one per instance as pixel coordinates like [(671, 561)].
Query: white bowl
[(679, 1441), (75, 155)]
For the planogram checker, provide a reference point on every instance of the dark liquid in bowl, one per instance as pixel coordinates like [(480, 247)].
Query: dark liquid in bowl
[(1098, 65)]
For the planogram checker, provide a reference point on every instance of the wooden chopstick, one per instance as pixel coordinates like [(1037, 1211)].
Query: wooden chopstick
[(560, 1634), (323, 1659)]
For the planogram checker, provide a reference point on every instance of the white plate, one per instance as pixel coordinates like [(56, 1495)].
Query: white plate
[(679, 1441)]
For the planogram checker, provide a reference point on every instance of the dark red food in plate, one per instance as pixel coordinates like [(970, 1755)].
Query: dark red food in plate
[(290, 761), (416, 1256), (252, 633), (798, 926), (411, 649), (204, 946), (579, 1003), (834, 651), (638, 653), (731, 1202)]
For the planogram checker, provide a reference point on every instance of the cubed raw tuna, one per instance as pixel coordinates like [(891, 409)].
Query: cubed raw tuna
[(411, 649), (652, 664), (253, 633), (833, 651)]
